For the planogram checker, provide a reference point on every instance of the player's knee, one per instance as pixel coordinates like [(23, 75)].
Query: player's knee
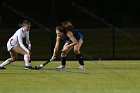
[(25, 53), (76, 52), (63, 54), (13, 59)]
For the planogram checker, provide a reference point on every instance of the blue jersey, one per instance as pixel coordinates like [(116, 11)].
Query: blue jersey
[(77, 34)]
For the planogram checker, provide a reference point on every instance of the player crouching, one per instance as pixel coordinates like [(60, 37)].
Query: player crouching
[(15, 45)]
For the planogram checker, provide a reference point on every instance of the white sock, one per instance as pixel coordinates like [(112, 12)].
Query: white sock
[(8, 61), (26, 59), (30, 64)]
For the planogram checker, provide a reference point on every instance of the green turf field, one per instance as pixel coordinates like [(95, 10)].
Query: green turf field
[(98, 77)]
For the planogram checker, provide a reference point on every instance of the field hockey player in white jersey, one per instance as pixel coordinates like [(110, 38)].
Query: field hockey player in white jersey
[(15, 46)]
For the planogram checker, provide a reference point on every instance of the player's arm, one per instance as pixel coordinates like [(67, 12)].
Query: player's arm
[(21, 42), (28, 41), (72, 38), (56, 48)]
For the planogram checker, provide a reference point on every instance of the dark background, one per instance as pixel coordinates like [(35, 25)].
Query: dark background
[(111, 27), (122, 13)]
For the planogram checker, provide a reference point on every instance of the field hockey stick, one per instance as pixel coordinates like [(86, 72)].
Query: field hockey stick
[(41, 65), (45, 63)]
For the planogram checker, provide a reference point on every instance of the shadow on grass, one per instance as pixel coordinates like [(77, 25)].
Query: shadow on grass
[(67, 70)]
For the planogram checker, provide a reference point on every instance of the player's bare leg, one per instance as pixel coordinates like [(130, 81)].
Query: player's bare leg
[(19, 50), (13, 52), (63, 56), (9, 60)]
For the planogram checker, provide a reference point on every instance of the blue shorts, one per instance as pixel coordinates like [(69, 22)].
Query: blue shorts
[(78, 35)]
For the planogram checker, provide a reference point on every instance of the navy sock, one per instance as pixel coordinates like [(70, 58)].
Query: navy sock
[(80, 59), (63, 60)]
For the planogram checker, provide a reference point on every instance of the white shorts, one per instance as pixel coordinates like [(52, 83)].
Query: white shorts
[(11, 44)]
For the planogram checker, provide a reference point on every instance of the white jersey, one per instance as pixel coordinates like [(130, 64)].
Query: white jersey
[(17, 39)]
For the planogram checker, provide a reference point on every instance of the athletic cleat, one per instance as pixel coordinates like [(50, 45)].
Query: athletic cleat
[(61, 67), (81, 67), (28, 68), (2, 68)]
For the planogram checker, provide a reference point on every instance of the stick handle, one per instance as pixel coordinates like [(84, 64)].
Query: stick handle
[(44, 64)]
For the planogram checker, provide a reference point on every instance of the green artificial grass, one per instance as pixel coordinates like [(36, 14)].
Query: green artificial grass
[(98, 77)]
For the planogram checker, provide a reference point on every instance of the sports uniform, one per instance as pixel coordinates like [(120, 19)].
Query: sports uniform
[(77, 34), (17, 39)]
